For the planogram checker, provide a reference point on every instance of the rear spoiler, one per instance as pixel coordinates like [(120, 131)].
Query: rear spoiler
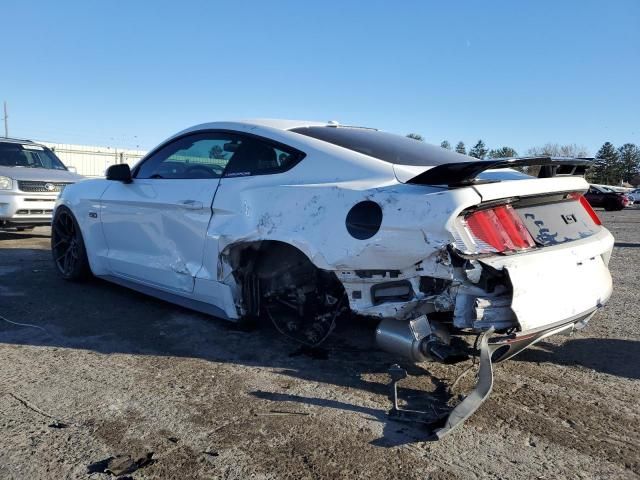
[(465, 173)]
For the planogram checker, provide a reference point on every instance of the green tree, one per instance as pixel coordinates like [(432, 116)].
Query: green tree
[(504, 152), (445, 144), (460, 148), (605, 167), (479, 150), (628, 161), (416, 136)]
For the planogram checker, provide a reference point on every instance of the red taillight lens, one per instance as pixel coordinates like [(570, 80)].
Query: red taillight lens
[(501, 228), (587, 206)]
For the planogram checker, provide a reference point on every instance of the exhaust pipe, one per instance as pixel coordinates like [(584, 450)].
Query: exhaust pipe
[(416, 340), (404, 338)]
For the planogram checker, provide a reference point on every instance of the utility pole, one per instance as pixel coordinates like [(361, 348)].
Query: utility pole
[(6, 121)]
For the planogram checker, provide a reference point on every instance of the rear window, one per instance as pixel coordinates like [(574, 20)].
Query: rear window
[(385, 146)]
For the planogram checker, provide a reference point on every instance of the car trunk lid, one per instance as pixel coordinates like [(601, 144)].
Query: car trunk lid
[(519, 215)]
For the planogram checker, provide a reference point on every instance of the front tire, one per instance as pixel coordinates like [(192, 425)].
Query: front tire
[(67, 246)]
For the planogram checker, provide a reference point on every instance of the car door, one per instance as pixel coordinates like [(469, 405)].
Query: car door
[(155, 227)]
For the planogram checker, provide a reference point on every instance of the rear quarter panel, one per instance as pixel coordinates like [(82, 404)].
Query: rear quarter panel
[(312, 217)]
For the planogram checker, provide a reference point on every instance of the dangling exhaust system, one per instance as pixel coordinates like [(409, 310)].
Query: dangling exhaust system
[(418, 340)]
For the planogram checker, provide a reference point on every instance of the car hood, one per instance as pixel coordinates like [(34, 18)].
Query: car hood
[(40, 174)]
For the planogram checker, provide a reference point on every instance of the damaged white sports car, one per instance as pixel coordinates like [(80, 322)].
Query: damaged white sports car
[(302, 221)]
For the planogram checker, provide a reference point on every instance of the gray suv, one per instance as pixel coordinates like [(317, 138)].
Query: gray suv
[(31, 178)]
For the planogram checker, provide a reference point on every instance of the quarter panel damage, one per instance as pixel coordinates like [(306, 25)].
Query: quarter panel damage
[(412, 245), (407, 268), (312, 219)]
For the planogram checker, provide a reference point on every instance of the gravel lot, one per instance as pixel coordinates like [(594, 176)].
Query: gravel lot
[(127, 374)]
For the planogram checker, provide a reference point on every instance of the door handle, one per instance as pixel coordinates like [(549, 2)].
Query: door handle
[(191, 204)]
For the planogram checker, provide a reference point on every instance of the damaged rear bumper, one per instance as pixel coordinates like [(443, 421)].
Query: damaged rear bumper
[(523, 298), (492, 349), (504, 347), (554, 286)]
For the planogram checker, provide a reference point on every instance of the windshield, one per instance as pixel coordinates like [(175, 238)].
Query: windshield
[(28, 156), (385, 146)]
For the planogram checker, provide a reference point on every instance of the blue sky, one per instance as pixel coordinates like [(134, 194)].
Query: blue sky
[(512, 73)]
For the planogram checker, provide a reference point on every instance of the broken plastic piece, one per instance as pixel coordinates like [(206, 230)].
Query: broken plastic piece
[(444, 425), (477, 397)]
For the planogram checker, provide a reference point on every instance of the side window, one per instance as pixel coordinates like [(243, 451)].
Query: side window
[(202, 155), (253, 156)]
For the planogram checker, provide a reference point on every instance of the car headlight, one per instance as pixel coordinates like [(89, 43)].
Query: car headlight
[(5, 183)]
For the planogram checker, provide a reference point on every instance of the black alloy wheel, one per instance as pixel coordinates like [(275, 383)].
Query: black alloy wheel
[(67, 246)]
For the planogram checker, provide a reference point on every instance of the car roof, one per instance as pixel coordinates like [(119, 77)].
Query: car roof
[(285, 131), (19, 141), (276, 123), (283, 124)]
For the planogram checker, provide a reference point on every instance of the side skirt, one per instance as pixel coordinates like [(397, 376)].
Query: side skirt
[(190, 303)]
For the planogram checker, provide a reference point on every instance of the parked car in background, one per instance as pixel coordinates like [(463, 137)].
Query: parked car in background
[(634, 195), (31, 178), (600, 196)]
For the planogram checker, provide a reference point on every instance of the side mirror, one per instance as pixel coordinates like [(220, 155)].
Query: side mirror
[(72, 169), (120, 172)]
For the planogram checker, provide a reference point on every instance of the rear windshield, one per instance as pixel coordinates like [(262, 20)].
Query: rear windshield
[(28, 156), (385, 146)]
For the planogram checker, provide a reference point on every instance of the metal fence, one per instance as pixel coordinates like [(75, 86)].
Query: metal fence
[(93, 161)]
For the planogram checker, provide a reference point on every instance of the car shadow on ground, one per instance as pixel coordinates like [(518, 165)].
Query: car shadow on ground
[(395, 433), (106, 318), (627, 245), (606, 355), (12, 235)]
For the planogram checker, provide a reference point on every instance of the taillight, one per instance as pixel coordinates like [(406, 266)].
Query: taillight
[(587, 206), (498, 229)]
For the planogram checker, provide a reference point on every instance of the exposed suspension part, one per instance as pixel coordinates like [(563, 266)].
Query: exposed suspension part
[(301, 301)]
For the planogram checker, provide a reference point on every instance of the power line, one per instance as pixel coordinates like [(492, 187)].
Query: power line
[(6, 121)]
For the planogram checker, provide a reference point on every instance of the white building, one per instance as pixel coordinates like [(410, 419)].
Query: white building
[(92, 161)]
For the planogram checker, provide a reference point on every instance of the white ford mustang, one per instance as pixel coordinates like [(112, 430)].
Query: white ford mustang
[(303, 221)]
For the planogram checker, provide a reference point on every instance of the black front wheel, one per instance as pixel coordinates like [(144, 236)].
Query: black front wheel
[(67, 246)]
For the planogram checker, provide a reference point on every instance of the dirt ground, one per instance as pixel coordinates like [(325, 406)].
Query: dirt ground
[(124, 374)]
